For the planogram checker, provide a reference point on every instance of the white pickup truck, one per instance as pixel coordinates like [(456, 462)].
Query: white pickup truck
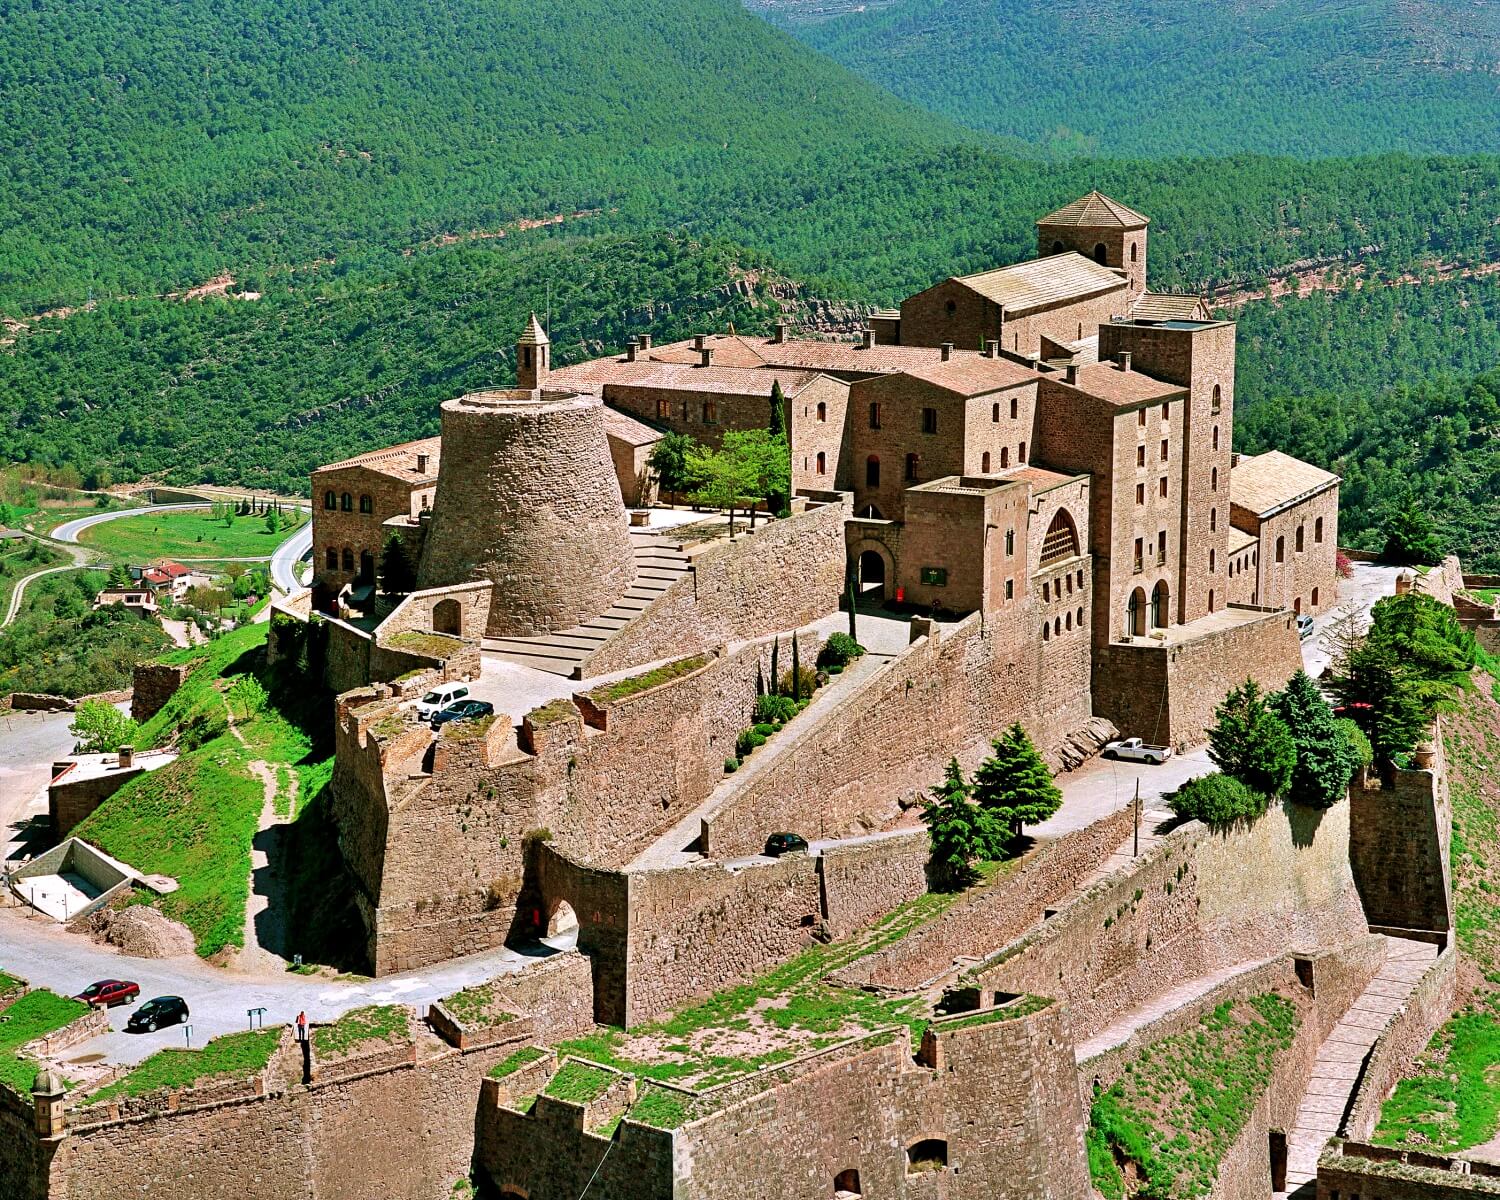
[(1135, 750)]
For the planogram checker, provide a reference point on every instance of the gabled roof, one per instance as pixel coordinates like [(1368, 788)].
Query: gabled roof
[(1044, 282), (399, 462), (1096, 211), (974, 376), (1105, 381), (1264, 483), (599, 374), (625, 428), (171, 570), (1170, 306)]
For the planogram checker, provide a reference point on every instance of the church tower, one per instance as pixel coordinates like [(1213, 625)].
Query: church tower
[(1102, 229), (533, 357)]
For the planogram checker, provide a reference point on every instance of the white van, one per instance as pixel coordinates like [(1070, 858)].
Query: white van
[(439, 698)]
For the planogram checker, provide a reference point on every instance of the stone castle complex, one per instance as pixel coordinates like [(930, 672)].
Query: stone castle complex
[(1027, 474)]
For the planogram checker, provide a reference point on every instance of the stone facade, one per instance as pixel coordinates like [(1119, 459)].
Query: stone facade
[(153, 685), (352, 502), (1399, 848)]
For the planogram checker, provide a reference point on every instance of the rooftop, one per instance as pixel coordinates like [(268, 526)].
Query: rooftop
[(626, 428), (1096, 211), (399, 462), (1170, 306), (848, 358), (732, 379), (973, 376), (1107, 382), (1042, 282), (1239, 540), (1265, 483)]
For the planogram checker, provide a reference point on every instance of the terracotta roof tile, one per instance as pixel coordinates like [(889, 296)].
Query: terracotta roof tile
[(628, 429), (1096, 211), (1107, 382), (973, 376), (847, 358), (1041, 282), (1266, 482), (399, 462), (1170, 306), (600, 373)]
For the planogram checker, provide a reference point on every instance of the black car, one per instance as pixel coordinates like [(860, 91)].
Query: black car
[(158, 1012), (785, 843), (463, 710)]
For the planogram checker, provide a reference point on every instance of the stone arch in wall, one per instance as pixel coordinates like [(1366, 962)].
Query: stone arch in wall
[(930, 1154), (1101, 254), (448, 617), (1061, 541), (1135, 613), (561, 919), (846, 1183), (875, 570), (1160, 597)]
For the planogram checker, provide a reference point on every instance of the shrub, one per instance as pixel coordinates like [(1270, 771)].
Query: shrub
[(774, 709), (1342, 566), (747, 742), (839, 650), (1218, 800), (808, 678), (1359, 745), (731, 765), (765, 731), (101, 728)]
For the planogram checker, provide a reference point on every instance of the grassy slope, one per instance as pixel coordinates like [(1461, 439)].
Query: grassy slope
[(184, 535), (34, 1015), (235, 1055), (1152, 76)]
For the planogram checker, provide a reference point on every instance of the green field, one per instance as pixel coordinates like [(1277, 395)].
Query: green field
[(186, 534)]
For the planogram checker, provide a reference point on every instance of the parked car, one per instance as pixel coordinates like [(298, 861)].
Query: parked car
[(440, 698), (464, 710), (158, 1012), (108, 992), (785, 843), (1304, 626), (1135, 750)]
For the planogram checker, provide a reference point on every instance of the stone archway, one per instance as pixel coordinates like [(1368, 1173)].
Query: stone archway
[(875, 571), (448, 617), (562, 919)]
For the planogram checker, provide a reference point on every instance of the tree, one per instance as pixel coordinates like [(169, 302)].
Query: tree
[(119, 576), (1374, 686), (669, 459), (1411, 538), (1217, 800), (273, 521), (722, 478), (958, 831), (1325, 759), (1014, 786), (780, 441), (101, 728), (1250, 742), (397, 575)]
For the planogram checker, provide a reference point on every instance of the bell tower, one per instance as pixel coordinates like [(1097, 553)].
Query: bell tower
[(533, 357), (1102, 229)]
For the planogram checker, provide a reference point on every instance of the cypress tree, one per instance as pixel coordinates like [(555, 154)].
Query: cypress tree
[(853, 593), (1014, 786), (775, 668), (796, 671), (956, 828)]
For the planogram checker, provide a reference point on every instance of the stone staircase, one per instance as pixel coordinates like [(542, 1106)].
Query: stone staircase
[(659, 563)]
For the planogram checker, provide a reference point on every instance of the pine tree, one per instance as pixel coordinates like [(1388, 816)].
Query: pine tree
[(957, 831), (1251, 743), (1014, 787), (1325, 760), (397, 576), (119, 576)]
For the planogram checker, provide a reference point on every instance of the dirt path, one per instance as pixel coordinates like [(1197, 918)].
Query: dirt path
[(265, 909)]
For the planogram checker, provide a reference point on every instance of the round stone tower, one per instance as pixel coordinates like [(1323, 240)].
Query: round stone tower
[(527, 498)]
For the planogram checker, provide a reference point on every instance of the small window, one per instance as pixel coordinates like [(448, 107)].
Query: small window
[(330, 500), (1164, 449), (331, 559), (822, 463), (1057, 626), (1213, 480), (1140, 549), (1140, 456), (1010, 589), (1218, 399), (1216, 437), (1318, 532), (348, 560), (984, 463), (875, 414), (1140, 418), (935, 576), (1057, 247), (1100, 253), (1068, 622), (1315, 597), (1299, 539), (1014, 408), (929, 420), (1140, 493), (1010, 543), (366, 504), (1213, 520), (1166, 410), (1161, 546), (1281, 549), (1004, 457), (1046, 593), (1134, 250), (995, 411), (1021, 452), (1213, 560), (1161, 487), (951, 307), (1211, 606), (710, 412), (822, 411), (1080, 616), (872, 471), (663, 408), (911, 465), (1046, 631), (346, 502)]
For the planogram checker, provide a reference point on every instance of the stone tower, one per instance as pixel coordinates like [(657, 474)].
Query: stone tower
[(533, 356), (527, 498), (1102, 229)]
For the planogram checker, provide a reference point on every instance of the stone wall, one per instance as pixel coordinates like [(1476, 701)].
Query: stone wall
[(153, 685), (1355, 1169), (1400, 829), (70, 800), (785, 574), (864, 879), (1305, 580)]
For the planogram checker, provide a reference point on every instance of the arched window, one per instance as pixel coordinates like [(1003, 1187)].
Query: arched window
[(366, 504), (1213, 480), (1004, 457), (331, 559), (1318, 531), (1061, 541), (872, 471), (1068, 622), (1216, 437), (846, 1183), (448, 617), (1134, 251), (1010, 543), (1046, 631), (1213, 560), (951, 308), (1057, 247), (1159, 598), (348, 559), (1218, 400), (1021, 452), (1135, 614), (1057, 626), (911, 465), (930, 1154), (995, 411), (984, 462), (1080, 616), (1100, 253), (1281, 549), (1315, 597), (1299, 539), (1211, 600), (1014, 407), (1213, 519), (346, 502), (875, 414), (330, 500), (822, 463), (822, 411)]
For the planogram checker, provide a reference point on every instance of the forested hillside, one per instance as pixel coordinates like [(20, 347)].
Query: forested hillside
[(1312, 78)]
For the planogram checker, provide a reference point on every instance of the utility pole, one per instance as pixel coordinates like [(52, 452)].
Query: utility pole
[(1136, 848)]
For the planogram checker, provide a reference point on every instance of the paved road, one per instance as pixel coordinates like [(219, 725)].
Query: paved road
[(288, 557), (69, 530), (1369, 583), (19, 592), (44, 954)]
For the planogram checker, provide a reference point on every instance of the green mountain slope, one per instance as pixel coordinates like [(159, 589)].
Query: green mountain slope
[(1158, 77)]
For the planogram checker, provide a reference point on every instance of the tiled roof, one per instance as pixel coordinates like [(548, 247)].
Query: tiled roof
[(399, 462), (600, 373), (171, 569), (626, 428), (848, 358), (1107, 382), (1266, 482), (534, 334), (1238, 538), (1170, 306), (1096, 211), (1039, 477), (1042, 282), (973, 376)]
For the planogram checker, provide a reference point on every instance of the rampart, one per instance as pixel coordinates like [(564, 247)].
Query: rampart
[(1352, 1168), (153, 685)]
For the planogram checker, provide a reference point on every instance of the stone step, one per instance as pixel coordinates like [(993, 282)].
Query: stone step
[(538, 649)]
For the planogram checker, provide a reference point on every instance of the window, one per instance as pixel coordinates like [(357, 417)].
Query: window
[(366, 504), (1004, 457), (1100, 253), (1140, 550), (1140, 493), (1068, 622), (911, 465), (710, 412), (1061, 541), (1161, 546), (1134, 248), (1315, 597), (1069, 578), (684, 410), (1013, 408), (663, 408), (1057, 626), (346, 502), (1213, 520), (1046, 631), (1213, 560), (1213, 480), (1299, 539), (348, 559), (1281, 549), (1161, 487), (1297, 606), (1166, 410), (984, 463), (995, 411), (1216, 437), (929, 420), (1318, 532), (935, 576), (1010, 543), (1135, 614), (330, 501), (1046, 593), (847, 1182), (875, 414), (1140, 456), (1080, 576), (1164, 449), (1140, 418), (1010, 589), (951, 307), (822, 411), (331, 559), (1021, 452), (1080, 616), (872, 471), (1211, 600), (1057, 247), (822, 463), (1218, 399), (1159, 605)]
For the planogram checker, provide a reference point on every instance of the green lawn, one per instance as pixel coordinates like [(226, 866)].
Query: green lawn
[(185, 534), (360, 1026), (34, 1015), (1452, 1102), (236, 1055)]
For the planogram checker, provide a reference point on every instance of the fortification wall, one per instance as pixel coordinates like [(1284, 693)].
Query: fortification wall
[(785, 574), (863, 880), (1197, 902), (1400, 832), (153, 684), (1355, 1169)]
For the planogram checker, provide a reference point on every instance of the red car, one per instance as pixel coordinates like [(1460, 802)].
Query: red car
[(109, 992)]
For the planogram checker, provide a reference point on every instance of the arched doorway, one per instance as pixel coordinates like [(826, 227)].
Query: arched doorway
[(846, 1183), (562, 920), (1100, 254), (448, 617), (1159, 606), (1135, 614), (871, 577), (366, 567)]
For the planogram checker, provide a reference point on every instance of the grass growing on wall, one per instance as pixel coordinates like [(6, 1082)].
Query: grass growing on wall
[(1182, 1103), (234, 1056), (34, 1015), (577, 1082), (361, 1026), (1452, 1102), (650, 679), (523, 1057)]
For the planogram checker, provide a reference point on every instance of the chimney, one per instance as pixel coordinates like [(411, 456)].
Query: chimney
[(779, 338), (631, 350), (947, 351), (866, 339), (1122, 360), (1071, 374), (421, 464), (1234, 460), (644, 339), (127, 757), (992, 348), (699, 340), (707, 355)]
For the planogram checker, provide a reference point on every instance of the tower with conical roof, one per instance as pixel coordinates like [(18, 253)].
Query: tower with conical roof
[(533, 356), (1102, 229)]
